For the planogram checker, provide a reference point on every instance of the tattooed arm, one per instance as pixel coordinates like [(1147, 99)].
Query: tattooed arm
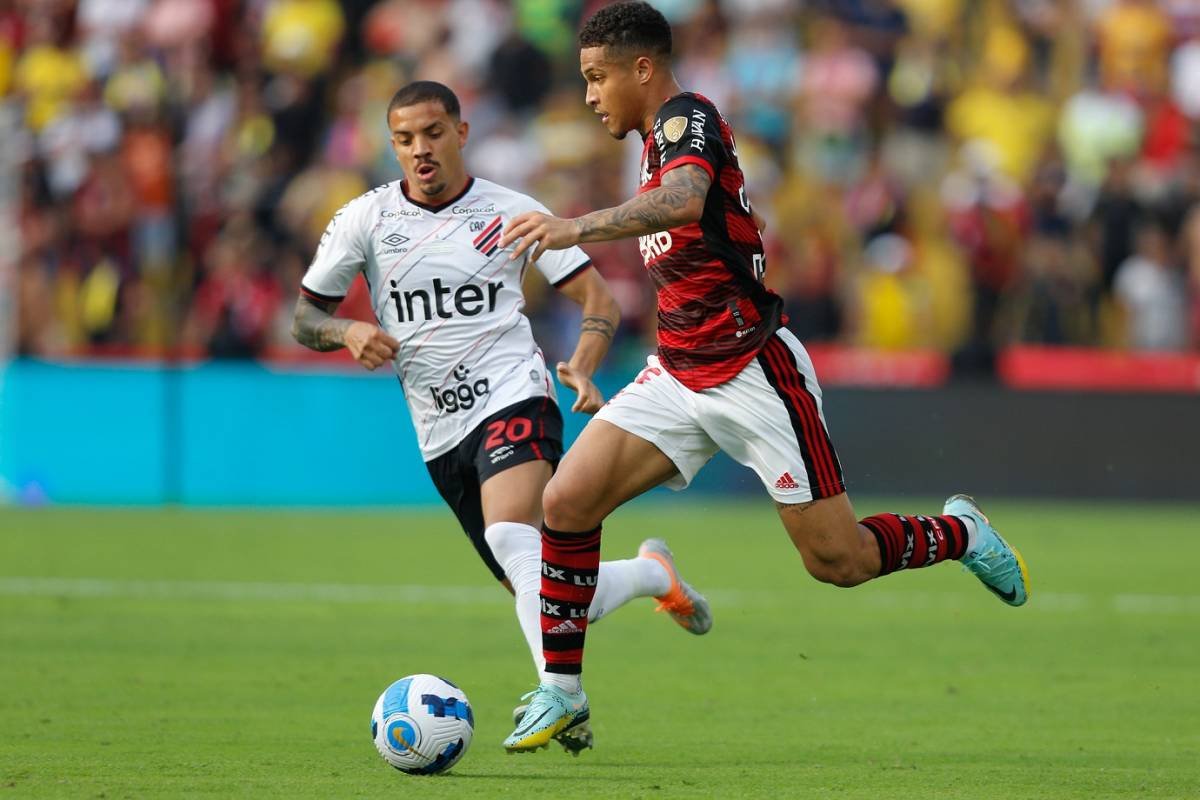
[(678, 201), (600, 318), (315, 327)]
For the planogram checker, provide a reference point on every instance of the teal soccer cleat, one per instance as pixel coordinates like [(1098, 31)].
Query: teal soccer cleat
[(575, 738), (994, 561), (550, 712)]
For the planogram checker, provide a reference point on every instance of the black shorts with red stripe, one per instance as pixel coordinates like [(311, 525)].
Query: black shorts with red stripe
[(531, 430)]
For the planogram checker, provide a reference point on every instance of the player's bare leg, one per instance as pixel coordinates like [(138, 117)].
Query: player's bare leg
[(515, 495), (512, 513), (834, 547), (838, 549), (605, 467), (512, 510)]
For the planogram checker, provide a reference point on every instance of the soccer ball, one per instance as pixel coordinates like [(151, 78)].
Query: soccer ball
[(422, 724)]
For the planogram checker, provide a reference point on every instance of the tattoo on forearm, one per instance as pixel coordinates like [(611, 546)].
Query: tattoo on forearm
[(598, 325), (315, 327), (656, 210)]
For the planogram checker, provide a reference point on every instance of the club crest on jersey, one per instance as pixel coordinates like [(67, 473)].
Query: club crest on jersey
[(488, 240), (674, 127)]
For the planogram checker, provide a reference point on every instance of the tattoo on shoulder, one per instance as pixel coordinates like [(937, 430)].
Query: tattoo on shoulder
[(602, 326)]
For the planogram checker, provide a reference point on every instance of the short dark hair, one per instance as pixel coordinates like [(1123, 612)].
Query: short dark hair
[(426, 92), (629, 27)]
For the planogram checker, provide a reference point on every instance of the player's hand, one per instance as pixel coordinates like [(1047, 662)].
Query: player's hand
[(369, 345), (538, 231), (588, 400)]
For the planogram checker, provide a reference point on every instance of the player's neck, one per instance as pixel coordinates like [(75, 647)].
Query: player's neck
[(658, 94)]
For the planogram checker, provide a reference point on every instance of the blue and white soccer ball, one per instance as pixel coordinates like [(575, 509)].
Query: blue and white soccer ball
[(422, 724)]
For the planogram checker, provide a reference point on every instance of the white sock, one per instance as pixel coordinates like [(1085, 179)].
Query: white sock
[(621, 581), (568, 683), (518, 549), (972, 532)]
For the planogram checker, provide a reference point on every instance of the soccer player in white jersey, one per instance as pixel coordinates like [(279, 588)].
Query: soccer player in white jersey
[(448, 301)]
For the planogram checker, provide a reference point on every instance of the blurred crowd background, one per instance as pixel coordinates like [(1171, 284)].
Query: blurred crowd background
[(946, 175)]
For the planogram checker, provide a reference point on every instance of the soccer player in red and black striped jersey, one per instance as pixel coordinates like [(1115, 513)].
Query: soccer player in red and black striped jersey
[(727, 375)]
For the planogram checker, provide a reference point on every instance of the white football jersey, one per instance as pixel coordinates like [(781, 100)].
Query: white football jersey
[(443, 288)]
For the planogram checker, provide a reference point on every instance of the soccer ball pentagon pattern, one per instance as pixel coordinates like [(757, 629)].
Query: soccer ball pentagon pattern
[(422, 724)]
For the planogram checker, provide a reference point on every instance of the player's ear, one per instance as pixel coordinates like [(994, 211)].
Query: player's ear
[(643, 68), (463, 129)]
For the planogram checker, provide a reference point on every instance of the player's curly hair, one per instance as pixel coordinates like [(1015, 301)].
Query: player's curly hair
[(630, 27), (423, 92)]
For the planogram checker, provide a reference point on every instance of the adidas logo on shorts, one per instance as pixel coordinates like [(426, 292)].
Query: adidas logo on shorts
[(566, 626), (786, 481)]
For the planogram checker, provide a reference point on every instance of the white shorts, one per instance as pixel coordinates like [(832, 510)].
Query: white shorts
[(767, 418)]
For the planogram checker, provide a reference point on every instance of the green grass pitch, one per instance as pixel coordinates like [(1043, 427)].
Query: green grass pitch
[(237, 654)]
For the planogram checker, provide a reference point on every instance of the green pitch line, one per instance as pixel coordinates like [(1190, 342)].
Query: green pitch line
[(171, 653)]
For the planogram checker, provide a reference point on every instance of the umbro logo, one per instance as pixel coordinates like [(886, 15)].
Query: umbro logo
[(394, 240), (786, 481), (566, 626)]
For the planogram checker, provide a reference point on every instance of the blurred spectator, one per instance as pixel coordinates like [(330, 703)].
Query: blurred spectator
[(48, 74), (1152, 292), (235, 304), (102, 25), (760, 65), (1134, 40), (300, 36), (1007, 123), (1191, 255), (1114, 218), (1185, 77), (520, 74), (1096, 128), (836, 83)]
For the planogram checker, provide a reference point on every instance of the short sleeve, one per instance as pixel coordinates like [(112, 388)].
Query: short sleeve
[(560, 266), (340, 257), (686, 131)]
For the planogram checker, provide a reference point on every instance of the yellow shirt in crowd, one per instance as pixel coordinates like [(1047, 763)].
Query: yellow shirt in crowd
[(1134, 40), (50, 78), (301, 35)]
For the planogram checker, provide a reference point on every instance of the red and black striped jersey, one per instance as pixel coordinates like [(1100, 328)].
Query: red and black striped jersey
[(714, 314)]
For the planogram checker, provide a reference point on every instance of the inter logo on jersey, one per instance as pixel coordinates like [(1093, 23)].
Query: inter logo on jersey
[(488, 241), (453, 311)]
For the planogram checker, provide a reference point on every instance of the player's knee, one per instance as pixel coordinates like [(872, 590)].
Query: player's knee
[(506, 539), (565, 510)]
